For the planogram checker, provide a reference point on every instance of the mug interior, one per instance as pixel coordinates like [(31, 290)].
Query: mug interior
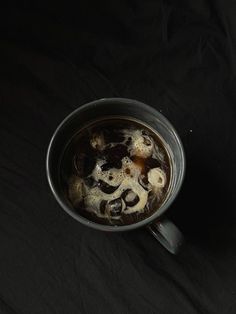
[(106, 108)]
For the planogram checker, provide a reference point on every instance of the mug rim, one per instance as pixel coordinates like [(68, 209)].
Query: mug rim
[(86, 221)]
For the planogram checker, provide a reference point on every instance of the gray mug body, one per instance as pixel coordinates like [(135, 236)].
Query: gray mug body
[(162, 229)]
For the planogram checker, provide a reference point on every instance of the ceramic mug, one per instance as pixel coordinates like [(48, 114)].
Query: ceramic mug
[(159, 226)]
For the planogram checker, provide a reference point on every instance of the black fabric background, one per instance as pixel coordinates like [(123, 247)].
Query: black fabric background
[(177, 56)]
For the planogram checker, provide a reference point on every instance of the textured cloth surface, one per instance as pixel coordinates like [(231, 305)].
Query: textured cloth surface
[(178, 57)]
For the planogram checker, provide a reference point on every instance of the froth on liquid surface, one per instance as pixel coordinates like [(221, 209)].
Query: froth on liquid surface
[(116, 171)]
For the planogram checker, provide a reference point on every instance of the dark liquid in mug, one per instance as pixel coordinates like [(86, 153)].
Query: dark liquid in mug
[(116, 171)]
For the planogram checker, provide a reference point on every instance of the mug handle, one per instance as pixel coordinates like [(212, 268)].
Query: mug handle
[(167, 234)]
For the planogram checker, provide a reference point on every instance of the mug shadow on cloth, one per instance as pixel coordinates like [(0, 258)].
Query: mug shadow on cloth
[(204, 208)]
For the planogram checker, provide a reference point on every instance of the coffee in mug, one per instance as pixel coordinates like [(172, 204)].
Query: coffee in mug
[(116, 171)]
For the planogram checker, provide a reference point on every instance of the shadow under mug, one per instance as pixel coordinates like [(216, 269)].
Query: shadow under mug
[(160, 227)]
